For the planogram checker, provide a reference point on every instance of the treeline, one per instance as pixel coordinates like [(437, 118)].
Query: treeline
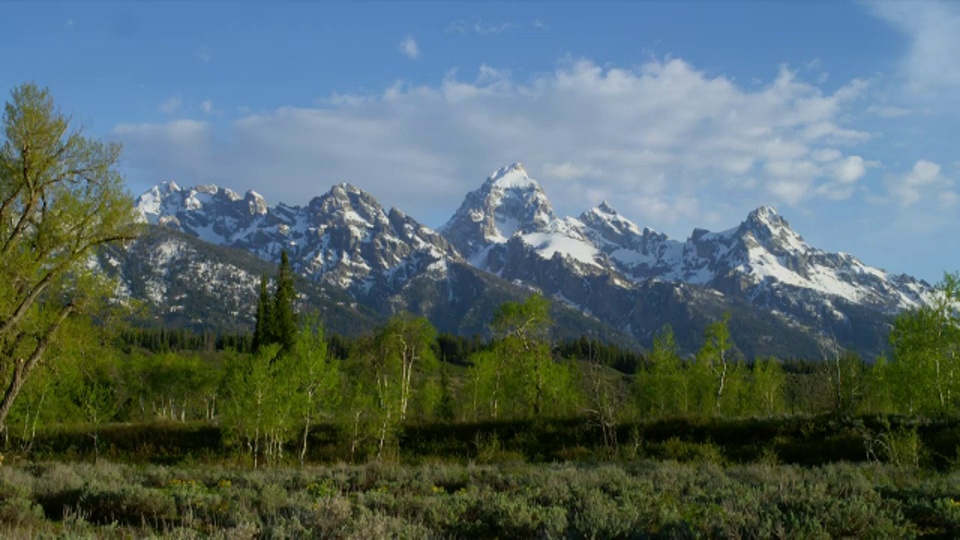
[(164, 340), (369, 389), (452, 348)]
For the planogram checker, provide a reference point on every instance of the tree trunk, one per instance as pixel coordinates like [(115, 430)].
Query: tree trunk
[(306, 432), (22, 368)]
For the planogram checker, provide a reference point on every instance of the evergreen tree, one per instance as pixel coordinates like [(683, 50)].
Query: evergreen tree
[(261, 331), (284, 317), (276, 320)]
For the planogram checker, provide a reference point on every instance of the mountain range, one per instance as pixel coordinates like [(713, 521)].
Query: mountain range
[(610, 278)]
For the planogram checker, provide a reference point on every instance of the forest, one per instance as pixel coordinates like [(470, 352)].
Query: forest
[(111, 430)]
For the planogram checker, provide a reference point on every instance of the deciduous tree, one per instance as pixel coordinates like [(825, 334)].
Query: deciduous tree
[(61, 198)]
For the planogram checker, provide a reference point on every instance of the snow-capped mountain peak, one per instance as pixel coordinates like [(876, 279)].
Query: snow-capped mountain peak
[(512, 176), (769, 229), (343, 237), (606, 220), (508, 204)]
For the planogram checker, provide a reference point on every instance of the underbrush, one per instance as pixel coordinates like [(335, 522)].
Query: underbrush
[(637, 499), (806, 477), (800, 440)]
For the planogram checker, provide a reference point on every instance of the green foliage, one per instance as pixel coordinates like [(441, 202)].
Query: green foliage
[(61, 199), (879, 395), (926, 350), (262, 328), (310, 379), (767, 382), (663, 387), (519, 376), (607, 354), (283, 315), (276, 317), (407, 360), (509, 499), (716, 374), (257, 407)]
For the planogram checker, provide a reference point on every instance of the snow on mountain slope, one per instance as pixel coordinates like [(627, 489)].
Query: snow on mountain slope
[(762, 252), (343, 237), (508, 202), (507, 227), (600, 262)]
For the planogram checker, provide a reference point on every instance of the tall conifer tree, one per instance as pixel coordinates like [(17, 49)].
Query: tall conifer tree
[(284, 317)]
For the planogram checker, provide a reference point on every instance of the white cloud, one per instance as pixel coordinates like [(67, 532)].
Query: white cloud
[(564, 171), (666, 143), (908, 188), (933, 29), (178, 150), (410, 48), (206, 106), (850, 170), (204, 55), (171, 105)]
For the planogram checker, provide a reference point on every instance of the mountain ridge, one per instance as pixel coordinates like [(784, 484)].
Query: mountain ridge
[(600, 263)]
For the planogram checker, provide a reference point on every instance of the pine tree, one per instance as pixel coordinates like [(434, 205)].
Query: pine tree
[(284, 317), (261, 332), (276, 321)]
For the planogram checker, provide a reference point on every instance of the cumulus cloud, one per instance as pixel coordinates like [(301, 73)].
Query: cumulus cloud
[(850, 170), (409, 48), (206, 106), (925, 177), (668, 142)]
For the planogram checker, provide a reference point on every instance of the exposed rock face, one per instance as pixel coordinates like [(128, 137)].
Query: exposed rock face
[(761, 264), (787, 297)]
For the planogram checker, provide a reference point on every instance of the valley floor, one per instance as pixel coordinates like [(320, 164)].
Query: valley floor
[(792, 477), (637, 499)]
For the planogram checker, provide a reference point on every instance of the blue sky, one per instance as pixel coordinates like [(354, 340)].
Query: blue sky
[(842, 115)]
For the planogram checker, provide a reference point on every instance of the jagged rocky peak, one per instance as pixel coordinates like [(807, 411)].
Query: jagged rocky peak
[(606, 215), (350, 203), (610, 225), (771, 230), (255, 202), (508, 203), (767, 216), (516, 202), (512, 176)]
